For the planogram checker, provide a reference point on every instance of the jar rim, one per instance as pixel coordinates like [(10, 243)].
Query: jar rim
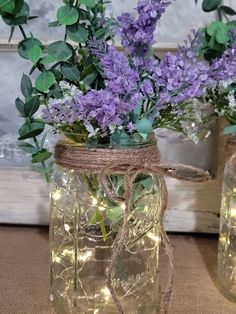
[(150, 140)]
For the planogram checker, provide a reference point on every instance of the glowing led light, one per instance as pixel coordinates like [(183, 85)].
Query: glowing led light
[(56, 195), (233, 212), (123, 206), (84, 257), (96, 311), (51, 298), (94, 201), (67, 227), (153, 237), (56, 259), (106, 294), (101, 208)]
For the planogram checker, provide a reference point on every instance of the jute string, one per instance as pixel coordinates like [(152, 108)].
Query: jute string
[(129, 162)]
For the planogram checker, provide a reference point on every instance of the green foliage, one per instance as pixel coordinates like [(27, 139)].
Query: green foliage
[(26, 46), (35, 53), (44, 81), (70, 71), (77, 33), (19, 17), (26, 86), (216, 39), (210, 5), (144, 126), (41, 156), (59, 61), (28, 148), (60, 51), (67, 15), (120, 137), (30, 129), (216, 5), (88, 3), (31, 106)]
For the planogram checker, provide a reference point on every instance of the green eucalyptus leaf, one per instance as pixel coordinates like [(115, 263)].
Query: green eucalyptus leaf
[(147, 183), (88, 3), (56, 73), (210, 5), (34, 54), (44, 81), (24, 10), (29, 130), (18, 6), (213, 28), (48, 59), (18, 19), (32, 106), (26, 45), (231, 25), (137, 112), (60, 50), (67, 15), (222, 36), (230, 129), (26, 86), (144, 126), (120, 137), (90, 78), (77, 33), (55, 91), (100, 33), (41, 156), (28, 148), (20, 106), (70, 71), (227, 10), (15, 20), (7, 5)]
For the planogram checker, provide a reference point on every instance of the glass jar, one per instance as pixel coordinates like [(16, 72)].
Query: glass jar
[(227, 238), (84, 224)]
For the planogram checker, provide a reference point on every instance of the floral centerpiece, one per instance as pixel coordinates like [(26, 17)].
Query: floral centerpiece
[(108, 194)]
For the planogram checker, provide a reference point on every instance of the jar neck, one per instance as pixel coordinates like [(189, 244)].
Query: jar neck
[(140, 142)]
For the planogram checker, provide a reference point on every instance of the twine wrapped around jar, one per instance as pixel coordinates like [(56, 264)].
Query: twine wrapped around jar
[(129, 162)]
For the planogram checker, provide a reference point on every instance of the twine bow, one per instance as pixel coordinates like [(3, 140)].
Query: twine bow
[(130, 163)]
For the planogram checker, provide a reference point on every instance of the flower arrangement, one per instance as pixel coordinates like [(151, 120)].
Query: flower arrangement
[(93, 92), (214, 40)]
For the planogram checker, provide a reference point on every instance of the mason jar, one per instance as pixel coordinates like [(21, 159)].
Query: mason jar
[(85, 233), (227, 238)]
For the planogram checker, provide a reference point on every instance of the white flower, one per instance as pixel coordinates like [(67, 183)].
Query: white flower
[(225, 84), (231, 100), (92, 132)]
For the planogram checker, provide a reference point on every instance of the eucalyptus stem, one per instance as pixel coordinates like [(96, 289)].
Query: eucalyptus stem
[(43, 162), (22, 31)]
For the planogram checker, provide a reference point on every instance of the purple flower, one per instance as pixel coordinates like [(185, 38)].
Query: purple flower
[(119, 77), (180, 77), (224, 68), (137, 34), (147, 88)]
